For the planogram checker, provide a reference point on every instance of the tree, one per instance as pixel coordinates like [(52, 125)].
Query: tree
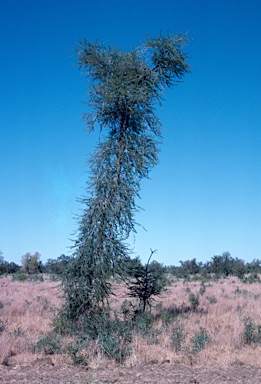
[(190, 267), (1, 257), (2, 264), (124, 87), (56, 266), (223, 264), (149, 280), (31, 264)]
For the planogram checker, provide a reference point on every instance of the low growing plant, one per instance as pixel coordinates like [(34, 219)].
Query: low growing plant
[(2, 326), (202, 289), (212, 299), (19, 277), (194, 301), (75, 349), (252, 332), (200, 340), (177, 337), (50, 344)]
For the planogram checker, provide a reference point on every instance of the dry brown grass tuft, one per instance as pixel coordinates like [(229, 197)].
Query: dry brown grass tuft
[(29, 307)]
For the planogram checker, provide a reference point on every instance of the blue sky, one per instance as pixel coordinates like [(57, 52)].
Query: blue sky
[(205, 195)]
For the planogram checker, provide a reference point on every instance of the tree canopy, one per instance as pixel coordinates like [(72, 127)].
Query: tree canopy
[(124, 89)]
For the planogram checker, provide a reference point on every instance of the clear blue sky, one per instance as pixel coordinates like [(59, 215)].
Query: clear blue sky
[(205, 195)]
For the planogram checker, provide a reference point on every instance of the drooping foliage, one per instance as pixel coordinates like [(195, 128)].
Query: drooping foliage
[(124, 88), (148, 281)]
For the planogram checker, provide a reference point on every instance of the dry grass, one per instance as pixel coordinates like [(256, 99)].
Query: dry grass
[(29, 307)]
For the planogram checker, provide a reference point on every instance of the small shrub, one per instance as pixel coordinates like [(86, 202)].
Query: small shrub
[(202, 289), (212, 299), (44, 302), (2, 326), (200, 340), (1, 304), (143, 322), (18, 332), (252, 278), (111, 334), (24, 277), (251, 333), (196, 278), (50, 344), (148, 281), (246, 293), (75, 350), (177, 337), (194, 301), (128, 310), (37, 277), (115, 341), (19, 277), (159, 306), (167, 318)]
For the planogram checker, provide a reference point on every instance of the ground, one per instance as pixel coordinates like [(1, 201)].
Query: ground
[(43, 371)]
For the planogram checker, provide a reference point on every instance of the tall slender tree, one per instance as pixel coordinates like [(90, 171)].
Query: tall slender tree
[(124, 88)]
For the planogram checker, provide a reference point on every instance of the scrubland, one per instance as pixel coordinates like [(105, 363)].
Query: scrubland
[(223, 328)]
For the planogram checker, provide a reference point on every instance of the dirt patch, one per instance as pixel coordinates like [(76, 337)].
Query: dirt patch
[(43, 372)]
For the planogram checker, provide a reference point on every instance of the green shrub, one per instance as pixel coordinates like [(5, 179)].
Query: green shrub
[(50, 344), (200, 340), (115, 336), (128, 310), (38, 277), (252, 278), (194, 301), (143, 322), (24, 277), (212, 299), (2, 326), (202, 289), (251, 333), (167, 318), (178, 337), (246, 293), (148, 281), (19, 277), (74, 350), (18, 332), (111, 334)]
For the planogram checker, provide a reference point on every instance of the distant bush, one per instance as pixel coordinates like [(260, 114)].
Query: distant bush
[(24, 277), (252, 278), (19, 277)]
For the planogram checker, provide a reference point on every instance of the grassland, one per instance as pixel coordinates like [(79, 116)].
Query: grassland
[(223, 329)]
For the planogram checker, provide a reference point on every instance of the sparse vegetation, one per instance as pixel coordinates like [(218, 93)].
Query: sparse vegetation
[(227, 332), (194, 301), (200, 339), (178, 336)]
